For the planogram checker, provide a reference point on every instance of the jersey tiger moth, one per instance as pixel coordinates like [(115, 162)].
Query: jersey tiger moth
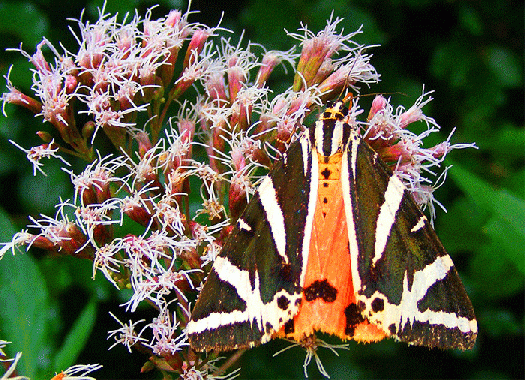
[(334, 242)]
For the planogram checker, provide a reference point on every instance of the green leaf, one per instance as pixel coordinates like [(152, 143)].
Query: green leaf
[(515, 182), (470, 19), (26, 14), (492, 275), (77, 337), (499, 322), (24, 317), (505, 225), (461, 227), (505, 65), (507, 144)]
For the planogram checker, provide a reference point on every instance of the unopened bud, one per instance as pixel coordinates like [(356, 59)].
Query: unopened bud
[(237, 199), (45, 136)]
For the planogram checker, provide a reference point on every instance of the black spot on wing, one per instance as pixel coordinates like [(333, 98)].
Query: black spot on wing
[(350, 330), (283, 302), (392, 328), (378, 304), (289, 327), (320, 289), (353, 318), (326, 173)]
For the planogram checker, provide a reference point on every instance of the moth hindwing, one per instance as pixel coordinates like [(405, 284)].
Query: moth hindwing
[(332, 241)]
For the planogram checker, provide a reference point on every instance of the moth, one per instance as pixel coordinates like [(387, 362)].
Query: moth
[(334, 242)]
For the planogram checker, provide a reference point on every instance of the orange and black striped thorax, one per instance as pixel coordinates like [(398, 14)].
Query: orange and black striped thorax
[(331, 131)]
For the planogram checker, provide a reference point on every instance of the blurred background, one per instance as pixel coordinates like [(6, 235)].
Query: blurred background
[(469, 52)]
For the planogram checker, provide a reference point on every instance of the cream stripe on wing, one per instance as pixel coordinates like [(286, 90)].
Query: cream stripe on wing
[(387, 215), (274, 215), (419, 225), (312, 201)]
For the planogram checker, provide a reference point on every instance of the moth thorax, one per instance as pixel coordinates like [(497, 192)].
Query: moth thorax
[(329, 136)]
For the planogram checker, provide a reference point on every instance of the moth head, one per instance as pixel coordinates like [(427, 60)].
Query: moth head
[(330, 132)]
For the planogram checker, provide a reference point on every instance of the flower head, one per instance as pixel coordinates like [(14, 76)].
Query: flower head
[(37, 153)]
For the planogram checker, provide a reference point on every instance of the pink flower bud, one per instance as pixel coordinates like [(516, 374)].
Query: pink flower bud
[(88, 129), (45, 136), (71, 84), (378, 104), (71, 239), (43, 243), (326, 68), (240, 115), (238, 160), (440, 150), (173, 18), (18, 98), (269, 61), (191, 256), (125, 42), (38, 59), (144, 143), (396, 153), (260, 156), (236, 199), (136, 211), (413, 114), (236, 80), (195, 47), (216, 87)]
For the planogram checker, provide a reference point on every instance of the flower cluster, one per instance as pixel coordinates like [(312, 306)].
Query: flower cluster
[(125, 78)]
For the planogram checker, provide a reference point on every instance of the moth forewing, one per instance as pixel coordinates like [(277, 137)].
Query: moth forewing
[(254, 288)]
